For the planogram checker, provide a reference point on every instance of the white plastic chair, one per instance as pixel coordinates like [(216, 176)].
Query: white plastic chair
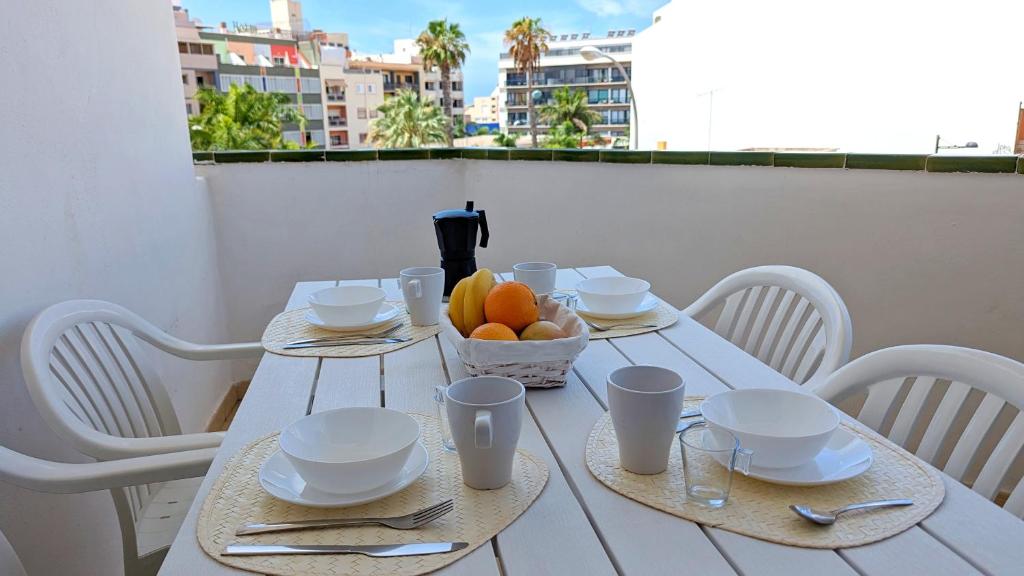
[(903, 382), (63, 478), (90, 380), (10, 564), (789, 318)]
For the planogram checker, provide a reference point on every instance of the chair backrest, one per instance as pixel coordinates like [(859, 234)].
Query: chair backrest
[(789, 318), (949, 405), (10, 565)]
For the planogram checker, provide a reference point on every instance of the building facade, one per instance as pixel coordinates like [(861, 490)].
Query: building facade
[(563, 66), (273, 65), (198, 61), (483, 110)]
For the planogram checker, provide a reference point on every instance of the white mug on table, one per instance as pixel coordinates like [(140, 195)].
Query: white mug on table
[(539, 276), (645, 402), (422, 289), (486, 417)]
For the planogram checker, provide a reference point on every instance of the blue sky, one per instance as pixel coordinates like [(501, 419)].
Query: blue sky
[(373, 25)]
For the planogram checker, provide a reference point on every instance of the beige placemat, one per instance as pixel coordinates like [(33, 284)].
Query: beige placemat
[(761, 510), (661, 317), (237, 498), (292, 325)]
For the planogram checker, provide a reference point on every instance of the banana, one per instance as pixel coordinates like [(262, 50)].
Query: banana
[(456, 304), (480, 283)]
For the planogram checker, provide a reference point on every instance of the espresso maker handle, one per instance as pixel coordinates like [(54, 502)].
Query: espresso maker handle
[(484, 234)]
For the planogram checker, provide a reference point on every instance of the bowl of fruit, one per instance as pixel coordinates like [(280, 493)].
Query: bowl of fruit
[(504, 329)]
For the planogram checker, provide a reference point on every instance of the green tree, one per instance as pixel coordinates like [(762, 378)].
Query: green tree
[(444, 45), (526, 41), (459, 128), (504, 140), (570, 106), (483, 131), (242, 119), (408, 122), (564, 135)]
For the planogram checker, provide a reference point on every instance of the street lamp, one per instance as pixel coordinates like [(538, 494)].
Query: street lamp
[(938, 139), (591, 53)]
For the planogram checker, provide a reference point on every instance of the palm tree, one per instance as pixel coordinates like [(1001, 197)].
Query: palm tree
[(444, 45), (505, 140), (408, 122), (526, 41), (570, 106), (242, 119)]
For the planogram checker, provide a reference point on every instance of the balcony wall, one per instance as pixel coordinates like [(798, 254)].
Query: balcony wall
[(918, 256)]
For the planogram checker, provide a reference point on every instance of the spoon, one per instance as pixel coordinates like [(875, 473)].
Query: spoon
[(829, 518)]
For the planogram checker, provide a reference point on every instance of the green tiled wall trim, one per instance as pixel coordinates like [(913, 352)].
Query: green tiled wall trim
[(919, 162)]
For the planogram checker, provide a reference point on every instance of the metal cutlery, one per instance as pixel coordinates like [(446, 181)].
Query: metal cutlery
[(343, 336), (607, 327), (828, 518), (332, 343), (375, 550), (406, 522)]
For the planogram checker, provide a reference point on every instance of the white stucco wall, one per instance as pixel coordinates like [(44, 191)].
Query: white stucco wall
[(97, 199), (918, 257)]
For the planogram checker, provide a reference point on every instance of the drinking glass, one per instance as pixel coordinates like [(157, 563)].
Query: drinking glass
[(709, 459), (442, 417)]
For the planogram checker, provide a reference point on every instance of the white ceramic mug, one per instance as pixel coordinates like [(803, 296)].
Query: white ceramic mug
[(645, 402), (539, 276), (486, 416), (422, 289)]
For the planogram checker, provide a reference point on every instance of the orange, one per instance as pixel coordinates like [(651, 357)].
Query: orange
[(512, 304), (493, 331)]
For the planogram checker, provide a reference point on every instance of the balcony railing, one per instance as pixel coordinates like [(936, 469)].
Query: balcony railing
[(335, 96), (335, 121), (392, 86)]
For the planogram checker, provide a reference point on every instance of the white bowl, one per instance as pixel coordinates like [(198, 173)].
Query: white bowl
[(613, 294), (782, 428), (350, 450), (347, 305)]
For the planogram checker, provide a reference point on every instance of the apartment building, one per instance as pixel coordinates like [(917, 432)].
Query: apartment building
[(563, 66), (198, 62), (403, 69), (483, 110), (271, 63)]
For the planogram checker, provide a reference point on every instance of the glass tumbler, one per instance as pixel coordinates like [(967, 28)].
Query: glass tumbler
[(709, 459), (442, 419)]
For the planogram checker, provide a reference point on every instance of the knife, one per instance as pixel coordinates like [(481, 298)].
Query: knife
[(368, 341), (375, 550)]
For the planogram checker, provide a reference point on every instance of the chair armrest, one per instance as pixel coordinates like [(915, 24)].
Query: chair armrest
[(67, 478), (108, 447), (190, 351)]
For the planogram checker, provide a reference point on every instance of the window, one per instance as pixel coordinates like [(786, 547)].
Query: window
[(195, 48), (361, 113), (182, 48), (457, 86), (184, 79), (408, 79), (200, 81), (207, 49), (278, 61), (371, 88), (188, 108), (456, 103), (373, 113), (362, 137), (597, 96), (359, 88), (428, 86)]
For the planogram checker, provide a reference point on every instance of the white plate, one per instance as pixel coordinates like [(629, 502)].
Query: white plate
[(387, 312), (649, 303), (845, 456), (280, 480)]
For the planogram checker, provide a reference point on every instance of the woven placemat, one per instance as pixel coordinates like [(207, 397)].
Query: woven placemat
[(237, 498), (661, 317), (761, 510), (292, 325)]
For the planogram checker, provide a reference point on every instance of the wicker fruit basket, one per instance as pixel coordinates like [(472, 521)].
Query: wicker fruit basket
[(536, 364)]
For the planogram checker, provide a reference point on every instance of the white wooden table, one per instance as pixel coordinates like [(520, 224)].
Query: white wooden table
[(577, 525)]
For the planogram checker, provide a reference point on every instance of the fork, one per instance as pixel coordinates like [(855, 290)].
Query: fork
[(605, 328), (407, 522), (352, 336)]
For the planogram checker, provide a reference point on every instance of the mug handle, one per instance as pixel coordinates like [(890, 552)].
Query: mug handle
[(415, 286), (482, 427)]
